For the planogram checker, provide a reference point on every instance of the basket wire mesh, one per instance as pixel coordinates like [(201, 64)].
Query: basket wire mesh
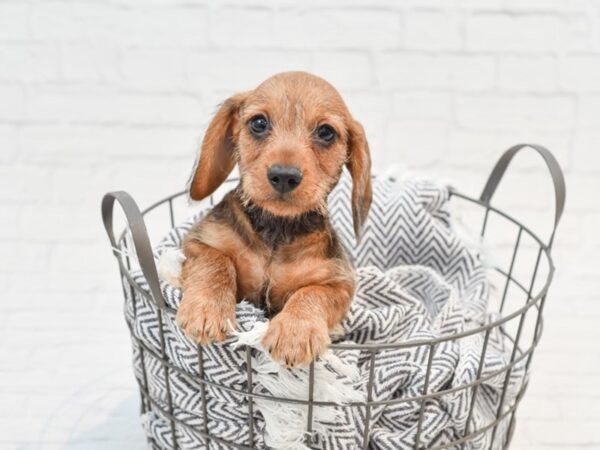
[(526, 315)]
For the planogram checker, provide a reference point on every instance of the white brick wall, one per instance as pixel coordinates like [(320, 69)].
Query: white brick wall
[(101, 95)]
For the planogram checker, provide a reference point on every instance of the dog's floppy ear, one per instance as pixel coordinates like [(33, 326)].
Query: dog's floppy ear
[(359, 166), (217, 155)]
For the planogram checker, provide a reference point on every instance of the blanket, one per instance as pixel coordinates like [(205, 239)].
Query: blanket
[(416, 281)]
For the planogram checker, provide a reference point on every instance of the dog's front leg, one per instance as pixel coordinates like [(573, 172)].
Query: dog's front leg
[(300, 332), (209, 293)]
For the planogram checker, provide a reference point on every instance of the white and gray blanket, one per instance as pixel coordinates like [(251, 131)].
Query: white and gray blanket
[(416, 281)]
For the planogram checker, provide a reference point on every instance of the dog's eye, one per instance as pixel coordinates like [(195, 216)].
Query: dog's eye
[(326, 134), (259, 125)]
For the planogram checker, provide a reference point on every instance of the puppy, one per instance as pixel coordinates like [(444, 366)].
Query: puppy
[(269, 241)]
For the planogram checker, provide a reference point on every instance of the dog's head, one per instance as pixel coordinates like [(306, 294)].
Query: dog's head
[(291, 137)]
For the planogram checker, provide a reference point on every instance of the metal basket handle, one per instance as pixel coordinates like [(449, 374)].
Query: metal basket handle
[(556, 173), (139, 233)]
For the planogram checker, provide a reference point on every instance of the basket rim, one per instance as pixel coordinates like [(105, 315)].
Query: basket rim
[(375, 348)]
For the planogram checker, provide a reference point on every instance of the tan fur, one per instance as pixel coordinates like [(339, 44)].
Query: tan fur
[(305, 281), (217, 158), (209, 279), (249, 264)]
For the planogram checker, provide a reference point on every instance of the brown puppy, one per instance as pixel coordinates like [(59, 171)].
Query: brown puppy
[(269, 240)]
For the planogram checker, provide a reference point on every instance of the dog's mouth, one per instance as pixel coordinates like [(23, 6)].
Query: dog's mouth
[(285, 197), (282, 200), (283, 204)]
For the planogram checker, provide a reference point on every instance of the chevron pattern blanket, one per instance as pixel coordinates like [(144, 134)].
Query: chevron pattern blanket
[(416, 280)]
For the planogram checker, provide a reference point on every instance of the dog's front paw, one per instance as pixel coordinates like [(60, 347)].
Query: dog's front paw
[(206, 321), (296, 341)]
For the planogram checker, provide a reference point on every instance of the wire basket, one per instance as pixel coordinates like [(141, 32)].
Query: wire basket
[(520, 303)]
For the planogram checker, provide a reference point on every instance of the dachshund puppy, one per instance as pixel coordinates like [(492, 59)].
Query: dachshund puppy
[(269, 240)]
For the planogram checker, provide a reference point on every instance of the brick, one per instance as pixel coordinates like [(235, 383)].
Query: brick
[(355, 28), (29, 62), (33, 257), (595, 24), (89, 62), (522, 33), (78, 183), (57, 282), (590, 222), (587, 364), (110, 23), (545, 6), (585, 152), (53, 21), (110, 106), (580, 434), (14, 21), (466, 181), (13, 404), (575, 285), (336, 4), (372, 111), (155, 25), (527, 74), (554, 341), (413, 70), (74, 154), (520, 112), (521, 438), (541, 408), (9, 219), (474, 148), (312, 28), (487, 5), (345, 70), (13, 104), (30, 320), (237, 70), (580, 189), (22, 184), (422, 105), (584, 408), (8, 143), (133, 178), (61, 145), (257, 25), (68, 256), (589, 111), (69, 302), (432, 30), (578, 32), (368, 107), (172, 144), (467, 148), (580, 73), (69, 223), (154, 68), (414, 143)]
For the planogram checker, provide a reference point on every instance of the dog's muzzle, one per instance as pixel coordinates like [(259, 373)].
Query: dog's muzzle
[(284, 178)]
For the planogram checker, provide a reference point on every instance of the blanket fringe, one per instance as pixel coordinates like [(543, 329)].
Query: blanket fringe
[(285, 423)]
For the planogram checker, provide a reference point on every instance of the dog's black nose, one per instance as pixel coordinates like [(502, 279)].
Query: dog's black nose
[(284, 178)]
